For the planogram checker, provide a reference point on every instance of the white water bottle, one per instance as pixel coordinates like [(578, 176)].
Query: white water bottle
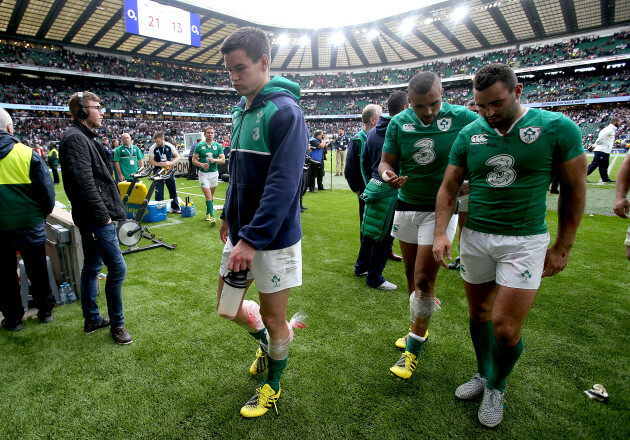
[(63, 294), (70, 295), (234, 285)]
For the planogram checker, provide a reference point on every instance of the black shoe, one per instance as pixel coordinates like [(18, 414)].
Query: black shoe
[(312, 191), (16, 327), (89, 328), (303, 208), (361, 274), (120, 335), (178, 211), (45, 317), (554, 191), (321, 189), (609, 181), (455, 264)]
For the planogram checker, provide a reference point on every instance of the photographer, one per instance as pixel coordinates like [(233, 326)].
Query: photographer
[(317, 144)]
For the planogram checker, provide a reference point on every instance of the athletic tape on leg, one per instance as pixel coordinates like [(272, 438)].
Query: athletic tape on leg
[(279, 348), (422, 307), (254, 322)]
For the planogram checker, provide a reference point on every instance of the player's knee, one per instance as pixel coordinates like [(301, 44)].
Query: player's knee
[(424, 283), (275, 324), (506, 333)]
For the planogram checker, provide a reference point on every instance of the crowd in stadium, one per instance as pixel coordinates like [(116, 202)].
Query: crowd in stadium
[(525, 56)]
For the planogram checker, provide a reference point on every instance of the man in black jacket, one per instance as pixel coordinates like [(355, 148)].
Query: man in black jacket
[(96, 204), (28, 196)]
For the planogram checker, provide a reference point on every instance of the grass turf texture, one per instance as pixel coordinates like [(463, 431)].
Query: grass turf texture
[(185, 376)]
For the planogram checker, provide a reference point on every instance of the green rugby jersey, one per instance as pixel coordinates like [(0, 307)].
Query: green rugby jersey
[(510, 174), (423, 150), (204, 151)]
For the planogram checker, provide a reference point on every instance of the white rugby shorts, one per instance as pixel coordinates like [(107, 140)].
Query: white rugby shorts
[(509, 260), (209, 179), (417, 227), (272, 270)]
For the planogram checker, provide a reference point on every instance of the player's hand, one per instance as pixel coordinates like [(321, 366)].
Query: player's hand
[(622, 207), (442, 249), (205, 166), (224, 231), (393, 180), (242, 256), (556, 260)]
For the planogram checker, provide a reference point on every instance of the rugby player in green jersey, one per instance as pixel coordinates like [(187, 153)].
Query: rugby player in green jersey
[(207, 156), (419, 140), (509, 155)]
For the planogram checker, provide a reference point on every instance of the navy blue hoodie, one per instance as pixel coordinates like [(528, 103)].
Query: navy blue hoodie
[(269, 141)]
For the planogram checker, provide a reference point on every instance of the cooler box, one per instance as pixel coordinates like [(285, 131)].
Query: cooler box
[(188, 211), (156, 211)]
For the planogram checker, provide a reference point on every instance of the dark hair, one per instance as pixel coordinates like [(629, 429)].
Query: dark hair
[(252, 40), (490, 74), (422, 82), (317, 133), (396, 102)]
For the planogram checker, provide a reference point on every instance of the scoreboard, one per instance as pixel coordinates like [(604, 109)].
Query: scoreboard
[(155, 20)]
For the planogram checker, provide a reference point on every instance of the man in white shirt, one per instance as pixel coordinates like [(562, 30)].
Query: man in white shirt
[(603, 146)]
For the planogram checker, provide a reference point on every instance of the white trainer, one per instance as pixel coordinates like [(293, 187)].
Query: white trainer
[(491, 410), (471, 389), (387, 286)]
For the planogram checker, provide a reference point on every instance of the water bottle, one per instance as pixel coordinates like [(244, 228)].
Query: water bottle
[(63, 294), (234, 284), (71, 296)]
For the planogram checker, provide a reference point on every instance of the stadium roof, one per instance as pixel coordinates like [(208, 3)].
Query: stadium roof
[(439, 29)]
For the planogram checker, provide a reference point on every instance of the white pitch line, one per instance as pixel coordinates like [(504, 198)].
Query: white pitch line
[(612, 164), (168, 222)]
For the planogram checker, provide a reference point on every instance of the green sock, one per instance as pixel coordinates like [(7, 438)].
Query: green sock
[(503, 361), (210, 207), (482, 335), (274, 373), (261, 336), (414, 346)]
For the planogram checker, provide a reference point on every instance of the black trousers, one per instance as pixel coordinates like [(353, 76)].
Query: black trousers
[(600, 160), (172, 192), (316, 171), (55, 173), (35, 264)]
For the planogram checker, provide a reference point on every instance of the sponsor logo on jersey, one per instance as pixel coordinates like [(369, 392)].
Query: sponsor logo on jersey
[(256, 134), (478, 139), (408, 127), (529, 134), (258, 116), (426, 153), (444, 124), (214, 147)]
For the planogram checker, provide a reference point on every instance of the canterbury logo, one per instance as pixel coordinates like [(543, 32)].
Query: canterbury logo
[(408, 127), (477, 139)]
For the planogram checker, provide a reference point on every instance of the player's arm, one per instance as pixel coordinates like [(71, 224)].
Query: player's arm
[(118, 170), (195, 161), (386, 170), (622, 206), (220, 160), (570, 211), (445, 205), (152, 160)]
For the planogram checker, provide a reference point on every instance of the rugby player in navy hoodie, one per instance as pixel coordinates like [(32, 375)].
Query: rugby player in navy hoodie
[(260, 224)]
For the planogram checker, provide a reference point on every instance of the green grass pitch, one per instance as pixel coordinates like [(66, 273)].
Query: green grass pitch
[(186, 374)]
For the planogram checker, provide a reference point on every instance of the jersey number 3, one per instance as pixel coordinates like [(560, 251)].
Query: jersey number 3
[(503, 174)]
